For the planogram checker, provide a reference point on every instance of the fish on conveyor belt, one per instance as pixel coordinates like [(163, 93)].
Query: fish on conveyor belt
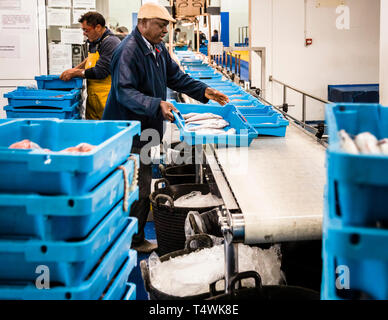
[(209, 124), (200, 116)]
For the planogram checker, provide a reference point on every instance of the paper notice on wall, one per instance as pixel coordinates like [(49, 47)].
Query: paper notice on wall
[(59, 3), (84, 3), (216, 48), (60, 58), (10, 4), (9, 47), (77, 13), (72, 36), (58, 17), (15, 21)]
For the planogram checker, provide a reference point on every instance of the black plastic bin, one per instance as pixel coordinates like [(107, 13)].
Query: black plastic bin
[(179, 174), (170, 220), (259, 292)]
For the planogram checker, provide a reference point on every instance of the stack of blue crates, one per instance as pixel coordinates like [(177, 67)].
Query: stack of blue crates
[(355, 227), (264, 119), (54, 98), (65, 229)]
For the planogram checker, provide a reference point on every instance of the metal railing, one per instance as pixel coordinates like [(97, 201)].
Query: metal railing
[(284, 107)]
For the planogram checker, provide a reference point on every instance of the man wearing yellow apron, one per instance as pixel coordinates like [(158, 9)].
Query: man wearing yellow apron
[(96, 67)]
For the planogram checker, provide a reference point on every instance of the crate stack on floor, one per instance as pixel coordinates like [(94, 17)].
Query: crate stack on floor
[(53, 98), (65, 229), (355, 227), (265, 119)]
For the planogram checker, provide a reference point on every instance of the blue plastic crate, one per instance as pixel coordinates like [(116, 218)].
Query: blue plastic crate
[(363, 252), (43, 112), (69, 262), (53, 82), (354, 93), (259, 110), (119, 288), (32, 216), (245, 132), (26, 97), (131, 292), (44, 172), (357, 184), (91, 289), (273, 125)]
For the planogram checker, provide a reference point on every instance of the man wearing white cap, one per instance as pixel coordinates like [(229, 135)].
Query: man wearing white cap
[(142, 69)]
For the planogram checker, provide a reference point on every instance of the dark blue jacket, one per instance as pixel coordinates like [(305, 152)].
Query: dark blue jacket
[(139, 83)]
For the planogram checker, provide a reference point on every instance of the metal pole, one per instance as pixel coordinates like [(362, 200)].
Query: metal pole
[(235, 64), (197, 25), (209, 43), (231, 62), (284, 95), (304, 110), (239, 66)]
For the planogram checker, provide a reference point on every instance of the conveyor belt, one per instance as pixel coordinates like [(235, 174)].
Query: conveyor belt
[(278, 184)]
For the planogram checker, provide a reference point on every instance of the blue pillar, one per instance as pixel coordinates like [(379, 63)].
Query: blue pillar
[(225, 28)]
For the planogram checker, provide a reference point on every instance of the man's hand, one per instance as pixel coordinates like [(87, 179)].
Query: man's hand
[(70, 74), (216, 96), (167, 107)]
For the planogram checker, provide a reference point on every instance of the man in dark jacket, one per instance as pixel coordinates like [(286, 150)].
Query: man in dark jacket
[(142, 69)]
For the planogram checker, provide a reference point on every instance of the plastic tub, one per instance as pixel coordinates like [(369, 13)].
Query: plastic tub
[(31, 216), (23, 171), (357, 183), (26, 97), (53, 82), (119, 287), (91, 289), (245, 133), (69, 262), (358, 255), (273, 125), (259, 292), (169, 219), (131, 292), (179, 174), (43, 112)]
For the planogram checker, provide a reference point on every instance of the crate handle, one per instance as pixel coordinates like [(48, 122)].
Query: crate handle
[(162, 170), (166, 198), (164, 180)]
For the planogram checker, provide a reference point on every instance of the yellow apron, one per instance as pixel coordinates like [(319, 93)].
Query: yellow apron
[(98, 91)]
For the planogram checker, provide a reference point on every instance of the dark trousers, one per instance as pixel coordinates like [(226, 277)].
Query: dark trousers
[(141, 208)]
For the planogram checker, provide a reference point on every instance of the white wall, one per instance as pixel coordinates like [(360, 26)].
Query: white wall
[(384, 53), (335, 57), (238, 16), (121, 12)]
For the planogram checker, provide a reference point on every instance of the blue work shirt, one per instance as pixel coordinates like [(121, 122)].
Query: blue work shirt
[(140, 81)]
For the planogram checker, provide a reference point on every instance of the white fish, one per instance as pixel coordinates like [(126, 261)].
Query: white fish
[(203, 116), (189, 115), (383, 145), (209, 121), (367, 143), (347, 143), (211, 124)]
